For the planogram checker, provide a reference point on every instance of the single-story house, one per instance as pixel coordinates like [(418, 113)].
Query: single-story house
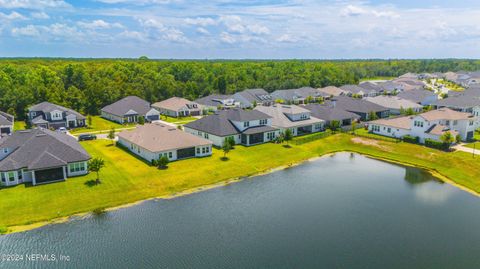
[(372, 87), (154, 140), (295, 118), (333, 91), (298, 96), (246, 127), (130, 109), (395, 104), (251, 97), (40, 156), (48, 115), (361, 107), (329, 114), (423, 97), (178, 107), (6, 123), (214, 101), (355, 90), (432, 124)]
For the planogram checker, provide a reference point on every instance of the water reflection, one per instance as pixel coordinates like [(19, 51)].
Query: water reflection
[(416, 176)]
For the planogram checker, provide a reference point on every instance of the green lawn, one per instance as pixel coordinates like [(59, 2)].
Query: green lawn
[(19, 125), (99, 124), (182, 120), (127, 179)]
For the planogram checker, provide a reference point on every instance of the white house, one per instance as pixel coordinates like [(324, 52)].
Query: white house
[(129, 110), (178, 107), (431, 124), (152, 141)]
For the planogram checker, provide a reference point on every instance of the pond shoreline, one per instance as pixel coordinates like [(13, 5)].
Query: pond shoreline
[(433, 172)]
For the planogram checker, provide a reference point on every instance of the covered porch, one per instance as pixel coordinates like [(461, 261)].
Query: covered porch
[(258, 135)]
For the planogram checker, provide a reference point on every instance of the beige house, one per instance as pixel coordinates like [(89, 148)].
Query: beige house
[(178, 107), (152, 141)]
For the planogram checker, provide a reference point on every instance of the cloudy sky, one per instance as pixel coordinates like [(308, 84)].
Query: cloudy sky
[(207, 29)]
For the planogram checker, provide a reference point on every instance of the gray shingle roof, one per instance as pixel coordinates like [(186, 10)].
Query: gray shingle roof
[(122, 106), (5, 118), (355, 89), (220, 123), (258, 95), (460, 101), (40, 148), (47, 107), (328, 113), (416, 96), (355, 105), (212, 100)]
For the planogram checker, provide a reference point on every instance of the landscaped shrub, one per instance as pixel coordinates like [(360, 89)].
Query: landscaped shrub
[(3, 230), (411, 139), (436, 144)]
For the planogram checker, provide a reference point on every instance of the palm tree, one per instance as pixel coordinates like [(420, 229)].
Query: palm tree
[(95, 165)]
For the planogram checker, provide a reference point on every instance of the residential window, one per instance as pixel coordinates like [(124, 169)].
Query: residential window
[(198, 150), (263, 122), (207, 149), (170, 155), (203, 150), (246, 124), (3, 177), (389, 130), (206, 135), (455, 122), (447, 122), (471, 123), (11, 176), (20, 174)]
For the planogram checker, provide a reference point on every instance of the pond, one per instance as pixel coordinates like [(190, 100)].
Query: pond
[(341, 211)]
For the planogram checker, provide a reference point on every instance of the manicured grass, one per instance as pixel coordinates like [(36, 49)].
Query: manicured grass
[(365, 133), (98, 124), (182, 120), (127, 179), (19, 125)]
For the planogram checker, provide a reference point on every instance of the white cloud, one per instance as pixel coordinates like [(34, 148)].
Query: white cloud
[(33, 4), (203, 31), (99, 24), (258, 29), (287, 38), (12, 16), (201, 21), (227, 38), (29, 30), (352, 10), (39, 15), (174, 35)]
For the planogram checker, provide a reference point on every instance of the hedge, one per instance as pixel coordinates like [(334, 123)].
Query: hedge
[(436, 145), (411, 139)]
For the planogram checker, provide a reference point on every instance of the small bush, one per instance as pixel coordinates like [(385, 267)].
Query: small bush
[(411, 139), (3, 230), (99, 211), (436, 144)]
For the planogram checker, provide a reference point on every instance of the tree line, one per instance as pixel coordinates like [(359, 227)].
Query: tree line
[(87, 85)]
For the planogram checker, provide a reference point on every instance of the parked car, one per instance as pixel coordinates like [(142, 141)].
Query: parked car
[(85, 137), (62, 130)]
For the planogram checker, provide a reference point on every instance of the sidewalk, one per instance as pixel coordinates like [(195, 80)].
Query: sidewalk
[(460, 147)]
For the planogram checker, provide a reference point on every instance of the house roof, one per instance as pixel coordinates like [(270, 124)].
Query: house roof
[(220, 123), (156, 137), (393, 102), (355, 89), (47, 107), (438, 129), (39, 120), (417, 96), (332, 91), (213, 100), (259, 129), (328, 113), (355, 105), (445, 114), (176, 103), (368, 85), (5, 118), (399, 122), (40, 148), (280, 119), (300, 93), (460, 101), (257, 95), (122, 106)]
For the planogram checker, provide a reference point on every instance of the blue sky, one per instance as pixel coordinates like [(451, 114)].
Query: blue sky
[(274, 29)]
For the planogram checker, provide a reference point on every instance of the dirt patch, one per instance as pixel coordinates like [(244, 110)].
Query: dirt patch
[(369, 142)]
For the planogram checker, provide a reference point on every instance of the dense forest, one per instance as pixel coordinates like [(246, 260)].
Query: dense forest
[(88, 85)]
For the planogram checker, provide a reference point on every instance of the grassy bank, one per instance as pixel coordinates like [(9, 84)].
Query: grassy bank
[(127, 179), (98, 124)]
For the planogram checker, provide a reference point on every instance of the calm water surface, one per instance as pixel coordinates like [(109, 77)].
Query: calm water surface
[(345, 211)]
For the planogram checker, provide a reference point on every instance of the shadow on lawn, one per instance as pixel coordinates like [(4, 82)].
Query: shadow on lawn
[(91, 183), (224, 159)]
